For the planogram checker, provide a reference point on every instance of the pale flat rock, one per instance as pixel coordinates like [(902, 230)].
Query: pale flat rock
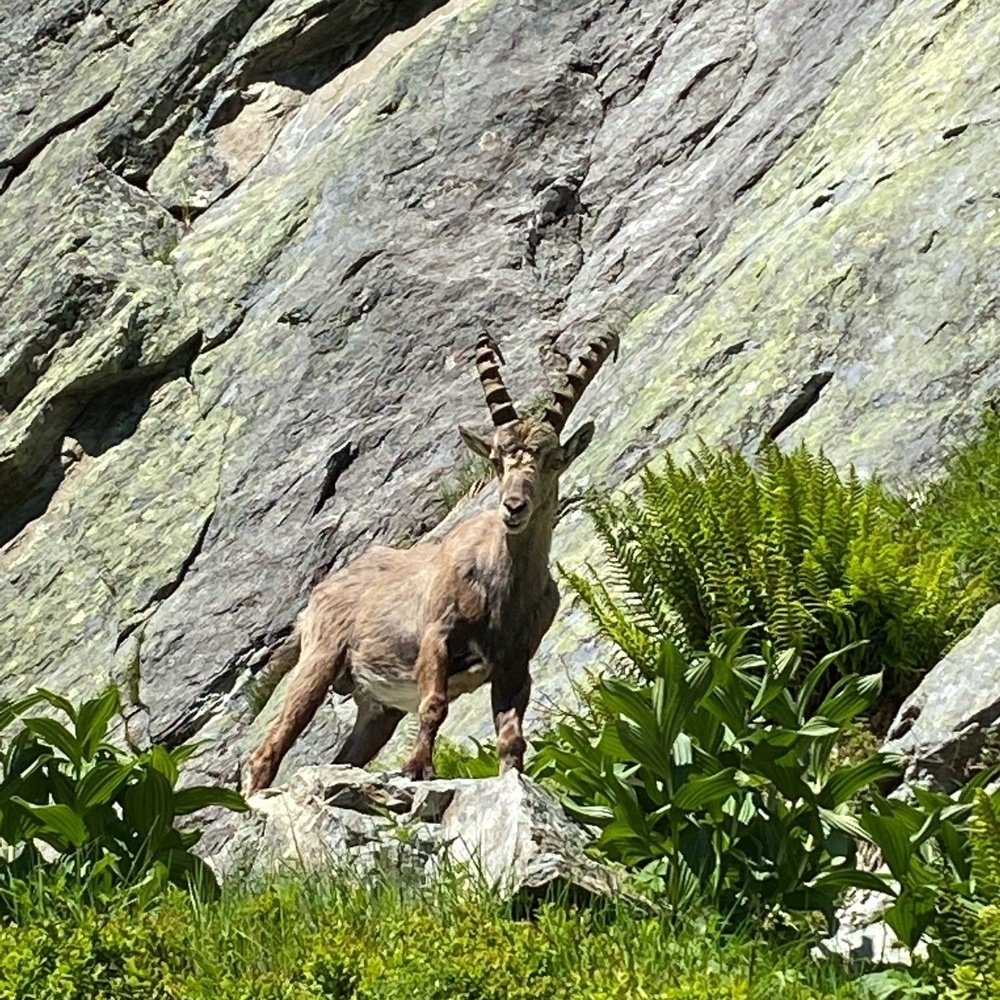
[(863, 936), (506, 832)]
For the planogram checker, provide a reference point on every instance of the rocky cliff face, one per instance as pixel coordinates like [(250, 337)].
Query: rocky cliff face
[(247, 246)]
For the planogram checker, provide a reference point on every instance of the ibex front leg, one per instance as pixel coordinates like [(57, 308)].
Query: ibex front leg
[(510, 700), (432, 683)]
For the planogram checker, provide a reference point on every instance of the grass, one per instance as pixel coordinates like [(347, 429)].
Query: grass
[(319, 937)]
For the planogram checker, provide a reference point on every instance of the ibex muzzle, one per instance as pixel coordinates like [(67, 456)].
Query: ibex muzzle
[(412, 629)]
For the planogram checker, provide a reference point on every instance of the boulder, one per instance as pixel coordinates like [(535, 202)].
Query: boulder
[(506, 831), (863, 936), (943, 727)]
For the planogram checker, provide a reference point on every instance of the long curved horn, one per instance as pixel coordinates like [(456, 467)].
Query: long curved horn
[(579, 377), (488, 361)]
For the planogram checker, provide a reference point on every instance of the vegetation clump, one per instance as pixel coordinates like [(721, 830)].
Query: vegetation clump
[(960, 511), (821, 562), (107, 816), (318, 938), (718, 782)]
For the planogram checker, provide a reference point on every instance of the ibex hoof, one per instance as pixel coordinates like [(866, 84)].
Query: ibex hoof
[(419, 770), (262, 773), (511, 763)]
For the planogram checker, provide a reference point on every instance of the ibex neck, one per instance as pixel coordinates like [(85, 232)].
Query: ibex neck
[(533, 544)]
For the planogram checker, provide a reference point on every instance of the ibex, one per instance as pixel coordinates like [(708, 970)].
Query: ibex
[(408, 630)]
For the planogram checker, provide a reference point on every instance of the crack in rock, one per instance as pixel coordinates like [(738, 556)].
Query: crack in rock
[(21, 462), (18, 162), (133, 149), (805, 400), (337, 464)]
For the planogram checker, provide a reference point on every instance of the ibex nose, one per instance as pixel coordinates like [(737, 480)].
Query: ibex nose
[(515, 506)]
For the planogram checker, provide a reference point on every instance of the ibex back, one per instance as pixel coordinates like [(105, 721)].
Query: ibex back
[(408, 630)]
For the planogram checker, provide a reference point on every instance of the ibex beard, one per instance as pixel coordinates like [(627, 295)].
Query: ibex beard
[(409, 630)]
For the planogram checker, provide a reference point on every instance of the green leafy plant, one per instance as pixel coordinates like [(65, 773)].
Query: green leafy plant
[(316, 936), (926, 846), (716, 781), (897, 984), (978, 974), (963, 911), (821, 561), (984, 840), (960, 511), (942, 854), (109, 815), (452, 760)]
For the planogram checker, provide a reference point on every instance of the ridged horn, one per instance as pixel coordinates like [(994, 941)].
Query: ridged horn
[(579, 377), (488, 361)]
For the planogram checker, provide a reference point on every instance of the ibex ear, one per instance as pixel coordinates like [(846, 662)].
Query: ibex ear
[(476, 443), (577, 444)]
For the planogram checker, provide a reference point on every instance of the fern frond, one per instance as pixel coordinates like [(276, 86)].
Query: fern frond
[(984, 829), (819, 559)]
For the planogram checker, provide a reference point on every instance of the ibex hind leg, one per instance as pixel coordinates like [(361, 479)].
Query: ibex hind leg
[(373, 728), (307, 688)]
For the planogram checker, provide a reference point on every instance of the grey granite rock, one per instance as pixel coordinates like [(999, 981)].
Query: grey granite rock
[(505, 832), (943, 727), (245, 249)]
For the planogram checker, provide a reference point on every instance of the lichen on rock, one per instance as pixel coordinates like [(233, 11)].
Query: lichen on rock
[(246, 248)]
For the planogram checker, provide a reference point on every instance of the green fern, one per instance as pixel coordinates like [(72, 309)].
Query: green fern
[(961, 511), (984, 830), (976, 971), (817, 560)]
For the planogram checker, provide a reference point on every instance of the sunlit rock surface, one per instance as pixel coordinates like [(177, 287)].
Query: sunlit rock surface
[(246, 248), (507, 833)]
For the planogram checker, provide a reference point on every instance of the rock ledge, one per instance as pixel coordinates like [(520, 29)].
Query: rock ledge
[(506, 831)]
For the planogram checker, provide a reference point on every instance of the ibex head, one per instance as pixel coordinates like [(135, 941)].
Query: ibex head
[(526, 453)]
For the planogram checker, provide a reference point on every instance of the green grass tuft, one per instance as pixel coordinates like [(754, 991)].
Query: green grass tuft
[(315, 937), (453, 760), (466, 480)]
